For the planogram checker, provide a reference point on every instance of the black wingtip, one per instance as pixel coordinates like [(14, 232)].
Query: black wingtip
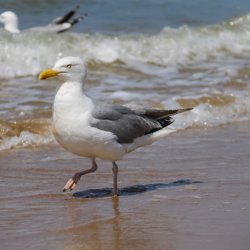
[(76, 20), (68, 15), (64, 190)]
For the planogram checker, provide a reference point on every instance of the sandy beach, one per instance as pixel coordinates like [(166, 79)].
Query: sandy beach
[(189, 191)]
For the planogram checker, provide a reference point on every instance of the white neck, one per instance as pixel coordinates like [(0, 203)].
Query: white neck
[(12, 29), (12, 26), (70, 100)]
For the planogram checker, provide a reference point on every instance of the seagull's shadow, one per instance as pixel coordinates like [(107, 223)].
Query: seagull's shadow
[(131, 190)]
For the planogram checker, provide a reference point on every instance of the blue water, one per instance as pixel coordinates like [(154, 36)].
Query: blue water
[(117, 16)]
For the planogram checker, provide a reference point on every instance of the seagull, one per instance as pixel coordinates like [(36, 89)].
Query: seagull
[(58, 25), (99, 130)]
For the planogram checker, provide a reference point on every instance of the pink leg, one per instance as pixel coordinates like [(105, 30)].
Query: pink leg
[(71, 183)]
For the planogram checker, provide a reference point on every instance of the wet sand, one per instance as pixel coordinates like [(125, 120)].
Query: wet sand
[(189, 191)]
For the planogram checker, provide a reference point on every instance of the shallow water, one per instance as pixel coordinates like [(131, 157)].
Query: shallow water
[(200, 199)]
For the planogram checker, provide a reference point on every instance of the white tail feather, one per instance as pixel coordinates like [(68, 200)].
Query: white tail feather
[(148, 139)]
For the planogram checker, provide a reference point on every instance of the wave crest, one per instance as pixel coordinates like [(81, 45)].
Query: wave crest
[(29, 52), (24, 133)]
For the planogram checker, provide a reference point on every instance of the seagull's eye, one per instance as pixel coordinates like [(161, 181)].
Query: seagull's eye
[(68, 66)]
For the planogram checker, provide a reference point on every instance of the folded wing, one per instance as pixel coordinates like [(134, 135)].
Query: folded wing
[(128, 124)]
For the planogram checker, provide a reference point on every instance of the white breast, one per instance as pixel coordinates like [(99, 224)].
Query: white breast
[(72, 129)]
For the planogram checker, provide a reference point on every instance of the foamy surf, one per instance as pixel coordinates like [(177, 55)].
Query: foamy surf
[(25, 139), (24, 133), (27, 53), (209, 111)]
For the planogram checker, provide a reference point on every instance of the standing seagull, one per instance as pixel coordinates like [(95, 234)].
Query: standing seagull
[(58, 25), (99, 130)]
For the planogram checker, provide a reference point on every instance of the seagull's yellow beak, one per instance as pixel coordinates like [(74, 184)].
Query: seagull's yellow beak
[(48, 73)]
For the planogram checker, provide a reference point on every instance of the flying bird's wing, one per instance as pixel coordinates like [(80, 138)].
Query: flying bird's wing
[(66, 17), (64, 23)]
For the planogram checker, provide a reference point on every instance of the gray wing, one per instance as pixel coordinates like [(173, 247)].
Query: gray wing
[(65, 22), (66, 17), (128, 124), (54, 28), (61, 24)]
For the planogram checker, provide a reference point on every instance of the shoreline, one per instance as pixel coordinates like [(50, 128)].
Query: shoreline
[(211, 214)]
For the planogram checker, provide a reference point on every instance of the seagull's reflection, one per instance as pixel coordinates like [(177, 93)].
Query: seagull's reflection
[(92, 224), (94, 219), (116, 223)]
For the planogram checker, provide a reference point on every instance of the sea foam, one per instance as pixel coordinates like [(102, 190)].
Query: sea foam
[(28, 52)]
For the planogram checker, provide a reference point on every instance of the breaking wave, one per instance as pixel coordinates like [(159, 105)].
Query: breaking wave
[(29, 52), (24, 133), (209, 111)]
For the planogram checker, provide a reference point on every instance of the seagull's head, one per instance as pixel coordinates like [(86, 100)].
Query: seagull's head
[(67, 69), (10, 20)]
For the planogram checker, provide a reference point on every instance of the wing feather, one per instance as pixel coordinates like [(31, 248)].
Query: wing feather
[(128, 124)]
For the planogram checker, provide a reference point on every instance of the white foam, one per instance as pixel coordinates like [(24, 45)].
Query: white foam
[(25, 139), (29, 52), (207, 115)]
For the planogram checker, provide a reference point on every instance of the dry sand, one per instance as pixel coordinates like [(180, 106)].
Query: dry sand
[(207, 208)]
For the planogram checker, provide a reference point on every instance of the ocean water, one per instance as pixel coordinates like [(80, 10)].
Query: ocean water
[(165, 54)]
